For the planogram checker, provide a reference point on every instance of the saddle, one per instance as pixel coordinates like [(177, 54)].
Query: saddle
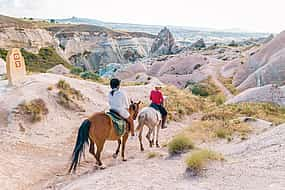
[(118, 121), (156, 107)]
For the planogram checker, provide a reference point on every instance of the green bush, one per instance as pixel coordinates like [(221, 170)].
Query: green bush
[(45, 60), (179, 144), (90, 75), (199, 90), (204, 88), (76, 70), (3, 53)]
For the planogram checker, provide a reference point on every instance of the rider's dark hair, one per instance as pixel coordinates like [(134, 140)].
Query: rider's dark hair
[(114, 84)]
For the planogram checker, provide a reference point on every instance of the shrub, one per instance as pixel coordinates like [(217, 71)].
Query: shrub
[(222, 133), (204, 88), (219, 99), (180, 144), (152, 155), (76, 70), (62, 84), (35, 109), (50, 88), (68, 96), (90, 75), (198, 160), (3, 53), (200, 90)]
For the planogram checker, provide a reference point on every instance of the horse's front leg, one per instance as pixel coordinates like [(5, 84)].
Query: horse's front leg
[(125, 138), (115, 155)]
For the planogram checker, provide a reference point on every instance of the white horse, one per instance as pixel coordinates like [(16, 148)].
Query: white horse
[(152, 119)]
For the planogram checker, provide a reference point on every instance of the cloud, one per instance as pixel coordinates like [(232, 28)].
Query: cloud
[(22, 8)]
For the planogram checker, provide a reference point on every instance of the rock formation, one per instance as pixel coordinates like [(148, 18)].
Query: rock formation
[(89, 46), (266, 66), (199, 44), (164, 43), (59, 70), (268, 93)]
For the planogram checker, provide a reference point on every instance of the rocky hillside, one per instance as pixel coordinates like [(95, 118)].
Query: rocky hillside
[(88, 46), (92, 47), (264, 66)]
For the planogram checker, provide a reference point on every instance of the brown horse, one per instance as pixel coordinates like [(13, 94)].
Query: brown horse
[(98, 128)]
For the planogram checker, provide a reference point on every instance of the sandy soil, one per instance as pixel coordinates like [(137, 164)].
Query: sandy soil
[(36, 156)]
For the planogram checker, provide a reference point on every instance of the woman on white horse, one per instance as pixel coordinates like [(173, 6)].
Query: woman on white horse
[(157, 101), (154, 117)]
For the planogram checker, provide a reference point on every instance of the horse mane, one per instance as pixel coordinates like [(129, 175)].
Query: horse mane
[(132, 106)]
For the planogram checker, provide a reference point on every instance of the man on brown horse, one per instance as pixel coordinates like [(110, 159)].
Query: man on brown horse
[(157, 101)]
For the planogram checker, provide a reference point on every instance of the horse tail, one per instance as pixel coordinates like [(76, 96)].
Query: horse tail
[(82, 139)]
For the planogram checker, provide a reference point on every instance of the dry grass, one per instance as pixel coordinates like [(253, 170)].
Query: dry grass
[(228, 83), (152, 155), (180, 144), (180, 103), (34, 110), (133, 83), (68, 96), (222, 121), (204, 131), (198, 160), (265, 111), (50, 88)]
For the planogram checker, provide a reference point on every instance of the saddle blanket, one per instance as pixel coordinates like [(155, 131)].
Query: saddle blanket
[(118, 121)]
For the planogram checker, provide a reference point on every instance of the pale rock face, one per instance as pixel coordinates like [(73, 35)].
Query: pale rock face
[(93, 51), (199, 44), (3, 69), (59, 70), (164, 43), (267, 93), (30, 39), (267, 66)]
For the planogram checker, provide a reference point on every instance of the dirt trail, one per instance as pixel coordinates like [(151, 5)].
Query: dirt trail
[(155, 172), (213, 70)]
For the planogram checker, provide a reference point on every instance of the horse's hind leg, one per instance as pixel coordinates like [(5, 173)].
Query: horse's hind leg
[(157, 134), (115, 155), (125, 138), (140, 127), (148, 136), (99, 146), (92, 148)]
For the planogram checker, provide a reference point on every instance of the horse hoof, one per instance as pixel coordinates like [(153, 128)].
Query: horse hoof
[(142, 149), (157, 146), (102, 167), (124, 160), (115, 156)]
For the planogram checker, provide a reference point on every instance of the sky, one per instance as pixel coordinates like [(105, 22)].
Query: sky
[(248, 15)]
